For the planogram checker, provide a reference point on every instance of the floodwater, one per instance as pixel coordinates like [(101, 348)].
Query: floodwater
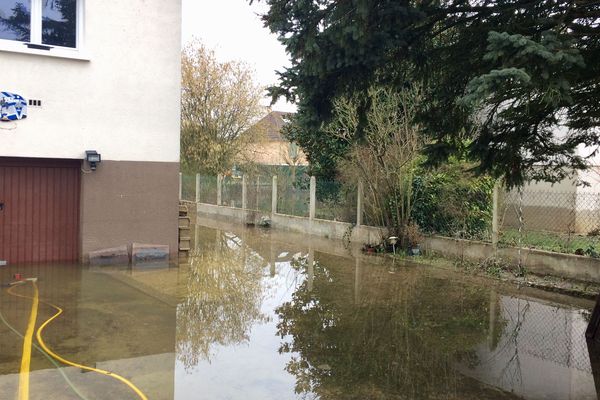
[(268, 315)]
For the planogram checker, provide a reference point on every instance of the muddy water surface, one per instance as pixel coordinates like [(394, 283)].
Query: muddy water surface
[(267, 315)]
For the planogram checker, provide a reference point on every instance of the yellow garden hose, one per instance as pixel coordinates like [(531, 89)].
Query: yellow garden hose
[(40, 339), (27, 341), (42, 352)]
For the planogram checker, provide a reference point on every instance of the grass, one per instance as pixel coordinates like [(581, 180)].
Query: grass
[(552, 241)]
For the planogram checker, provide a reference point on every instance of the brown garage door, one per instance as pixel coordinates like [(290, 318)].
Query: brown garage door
[(39, 210)]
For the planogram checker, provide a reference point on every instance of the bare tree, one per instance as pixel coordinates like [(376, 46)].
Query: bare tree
[(386, 156), (220, 105)]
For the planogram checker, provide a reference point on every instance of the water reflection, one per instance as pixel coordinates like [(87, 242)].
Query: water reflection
[(542, 352), (223, 298), (345, 328), (255, 316), (399, 338)]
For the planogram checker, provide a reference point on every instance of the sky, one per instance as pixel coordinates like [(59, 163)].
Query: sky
[(233, 29)]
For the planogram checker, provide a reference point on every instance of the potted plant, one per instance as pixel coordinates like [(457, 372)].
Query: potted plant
[(373, 248)]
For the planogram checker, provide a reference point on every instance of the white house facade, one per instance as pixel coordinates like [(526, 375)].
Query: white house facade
[(97, 76)]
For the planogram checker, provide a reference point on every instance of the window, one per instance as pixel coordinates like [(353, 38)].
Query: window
[(41, 25), (59, 22), (15, 20)]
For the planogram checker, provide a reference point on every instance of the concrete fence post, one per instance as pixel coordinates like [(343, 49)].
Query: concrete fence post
[(495, 212), (180, 186), (244, 193), (219, 189), (274, 196), (313, 198), (197, 188), (359, 203)]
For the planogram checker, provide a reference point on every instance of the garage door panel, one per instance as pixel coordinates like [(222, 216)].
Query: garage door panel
[(40, 220)]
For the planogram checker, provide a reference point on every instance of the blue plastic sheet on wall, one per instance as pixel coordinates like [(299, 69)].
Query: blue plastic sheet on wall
[(12, 107)]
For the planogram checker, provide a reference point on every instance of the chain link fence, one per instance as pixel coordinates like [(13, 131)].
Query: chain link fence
[(463, 211), (188, 187), (231, 191), (259, 193), (293, 195), (208, 189), (335, 201), (565, 222)]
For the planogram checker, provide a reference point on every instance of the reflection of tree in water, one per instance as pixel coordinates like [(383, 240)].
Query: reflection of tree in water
[(400, 340), (224, 293)]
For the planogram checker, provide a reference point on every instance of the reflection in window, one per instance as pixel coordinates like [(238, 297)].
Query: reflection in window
[(59, 22), (15, 19)]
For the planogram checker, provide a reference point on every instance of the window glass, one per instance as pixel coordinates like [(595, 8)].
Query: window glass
[(15, 20), (59, 26)]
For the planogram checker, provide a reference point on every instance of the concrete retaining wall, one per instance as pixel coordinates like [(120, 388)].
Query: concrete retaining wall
[(318, 227), (536, 261)]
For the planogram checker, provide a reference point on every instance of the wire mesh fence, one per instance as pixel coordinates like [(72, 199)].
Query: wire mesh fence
[(208, 189), (566, 222), (259, 193), (335, 201), (188, 187), (231, 191), (293, 195), (464, 212)]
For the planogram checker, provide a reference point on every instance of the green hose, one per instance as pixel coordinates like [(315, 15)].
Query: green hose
[(58, 367)]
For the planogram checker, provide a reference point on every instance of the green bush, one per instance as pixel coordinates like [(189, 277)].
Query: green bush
[(450, 201)]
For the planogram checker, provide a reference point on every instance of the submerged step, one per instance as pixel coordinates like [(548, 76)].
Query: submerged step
[(111, 256), (149, 253)]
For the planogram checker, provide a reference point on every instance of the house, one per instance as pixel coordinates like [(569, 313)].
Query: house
[(272, 148), (95, 162)]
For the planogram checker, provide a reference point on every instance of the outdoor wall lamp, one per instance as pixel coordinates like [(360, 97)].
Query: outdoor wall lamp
[(93, 158)]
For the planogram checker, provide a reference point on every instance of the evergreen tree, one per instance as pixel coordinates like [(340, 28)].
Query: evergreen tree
[(511, 83)]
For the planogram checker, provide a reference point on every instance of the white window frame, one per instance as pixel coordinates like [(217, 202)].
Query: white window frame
[(78, 52)]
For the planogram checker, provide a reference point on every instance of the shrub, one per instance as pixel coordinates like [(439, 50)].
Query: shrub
[(450, 201)]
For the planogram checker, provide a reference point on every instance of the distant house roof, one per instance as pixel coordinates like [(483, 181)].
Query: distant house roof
[(272, 124)]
